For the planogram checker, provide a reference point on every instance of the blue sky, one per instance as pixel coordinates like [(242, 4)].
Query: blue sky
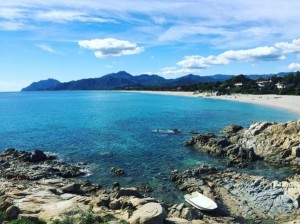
[(70, 40)]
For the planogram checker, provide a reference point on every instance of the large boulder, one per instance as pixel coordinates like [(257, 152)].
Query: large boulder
[(12, 213), (150, 213)]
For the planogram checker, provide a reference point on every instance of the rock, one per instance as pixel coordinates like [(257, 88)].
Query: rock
[(38, 156), (127, 205), (4, 164), (182, 211), (9, 151), (115, 204), (138, 202), (244, 195), (129, 192), (23, 165), (232, 129), (12, 213), (103, 200), (191, 213), (5, 203), (296, 151), (117, 171), (73, 188), (150, 213), (278, 144), (116, 186)]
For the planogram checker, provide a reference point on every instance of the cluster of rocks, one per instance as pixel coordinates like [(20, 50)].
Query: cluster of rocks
[(24, 165), (276, 143), (34, 185), (244, 196)]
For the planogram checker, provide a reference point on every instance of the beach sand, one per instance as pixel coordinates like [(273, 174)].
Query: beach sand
[(286, 102)]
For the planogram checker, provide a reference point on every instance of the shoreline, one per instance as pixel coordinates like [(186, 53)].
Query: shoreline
[(285, 102)]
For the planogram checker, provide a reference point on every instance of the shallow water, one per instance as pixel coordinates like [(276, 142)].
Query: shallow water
[(106, 129)]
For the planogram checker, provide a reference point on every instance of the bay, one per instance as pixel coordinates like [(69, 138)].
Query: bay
[(114, 129)]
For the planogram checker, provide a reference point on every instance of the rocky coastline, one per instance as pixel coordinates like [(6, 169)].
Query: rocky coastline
[(275, 143), (39, 188)]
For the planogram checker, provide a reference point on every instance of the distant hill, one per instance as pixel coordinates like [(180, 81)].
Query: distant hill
[(42, 85), (121, 80), (124, 80)]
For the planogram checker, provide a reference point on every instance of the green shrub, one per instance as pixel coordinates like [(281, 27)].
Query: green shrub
[(66, 220), (88, 217), (107, 217), (21, 221), (26, 221), (123, 222)]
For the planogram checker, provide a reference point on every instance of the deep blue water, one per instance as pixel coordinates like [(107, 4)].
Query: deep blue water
[(109, 129)]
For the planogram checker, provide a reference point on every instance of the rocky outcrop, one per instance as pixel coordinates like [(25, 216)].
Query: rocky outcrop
[(278, 144), (35, 185), (24, 165), (242, 195), (43, 189)]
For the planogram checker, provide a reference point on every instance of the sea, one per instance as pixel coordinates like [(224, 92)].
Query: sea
[(106, 129)]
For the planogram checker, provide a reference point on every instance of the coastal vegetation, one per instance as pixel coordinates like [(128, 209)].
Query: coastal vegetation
[(282, 85)]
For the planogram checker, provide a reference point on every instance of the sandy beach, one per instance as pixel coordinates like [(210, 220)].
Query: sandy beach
[(286, 102)]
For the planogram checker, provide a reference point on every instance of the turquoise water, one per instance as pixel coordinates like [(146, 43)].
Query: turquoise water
[(107, 129)]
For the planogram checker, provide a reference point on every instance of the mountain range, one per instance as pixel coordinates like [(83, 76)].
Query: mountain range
[(124, 80), (121, 80)]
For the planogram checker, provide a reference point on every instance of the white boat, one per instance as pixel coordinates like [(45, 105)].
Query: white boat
[(200, 201)]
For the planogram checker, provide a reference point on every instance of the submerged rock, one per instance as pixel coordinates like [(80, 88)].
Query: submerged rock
[(118, 171)]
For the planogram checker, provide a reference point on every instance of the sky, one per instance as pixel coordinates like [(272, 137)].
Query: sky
[(70, 40)]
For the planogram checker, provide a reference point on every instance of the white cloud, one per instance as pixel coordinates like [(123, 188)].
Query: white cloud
[(159, 20), (174, 72), (294, 66), (229, 22), (289, 47), (249, 55), (253, 55), (11, 13), (47, 48), (110, 47), (12, 26), (63, 16), (200, 62)]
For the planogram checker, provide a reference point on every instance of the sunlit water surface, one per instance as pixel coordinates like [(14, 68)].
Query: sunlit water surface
[(113, 129)]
